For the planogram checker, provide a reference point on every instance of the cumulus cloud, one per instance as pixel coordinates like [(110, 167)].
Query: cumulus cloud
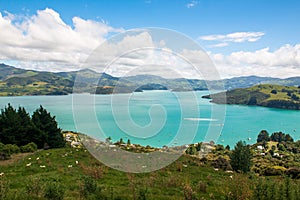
[(45, 42), (236, 37), (45, 37), (282, 62)]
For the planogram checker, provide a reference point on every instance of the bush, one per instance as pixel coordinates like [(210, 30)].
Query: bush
[(33, 187), (30, 147), (13, 148), (89, 186), (54, 191), (221, 163), (4, 152)]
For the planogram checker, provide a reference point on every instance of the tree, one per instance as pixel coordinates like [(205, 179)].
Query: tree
[(240, 158), (43, 120), (128, 142), (263, 136), (17, 128), (281, 137)]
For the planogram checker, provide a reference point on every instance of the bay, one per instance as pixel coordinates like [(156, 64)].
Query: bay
[(159, 118)]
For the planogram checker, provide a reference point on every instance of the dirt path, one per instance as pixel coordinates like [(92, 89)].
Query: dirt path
[(14, 158)]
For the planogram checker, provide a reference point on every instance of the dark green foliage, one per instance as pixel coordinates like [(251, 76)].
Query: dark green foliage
[(54, 191), (263, 136), (89, 186), (18, 128), (4, 152), (12, 148), (241, 157), (30, 147), (191, 150), (281, 137), (274, 91), (47, 124), (221, 163)]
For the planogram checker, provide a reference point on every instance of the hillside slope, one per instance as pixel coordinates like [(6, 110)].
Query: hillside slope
[(268, 95), (16, 82)]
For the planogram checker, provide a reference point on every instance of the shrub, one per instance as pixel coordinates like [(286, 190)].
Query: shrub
[(30, 147), (4, 152), (88, 186), (33, 187), (12, 148), (274, 91), (54, 191), (221, 163)]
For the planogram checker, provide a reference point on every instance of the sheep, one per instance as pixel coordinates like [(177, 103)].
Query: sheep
[(28, 165), (76, 162), (69, 166), (42, 166), (2, 173)]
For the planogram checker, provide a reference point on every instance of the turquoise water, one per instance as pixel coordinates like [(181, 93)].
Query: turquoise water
[(160, 118)]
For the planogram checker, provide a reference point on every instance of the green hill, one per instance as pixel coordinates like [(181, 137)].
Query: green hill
[(16, 82), (268, 95)]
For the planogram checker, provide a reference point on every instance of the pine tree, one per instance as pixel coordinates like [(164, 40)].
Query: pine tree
[(46, 123), (263, 136), (240, 158)]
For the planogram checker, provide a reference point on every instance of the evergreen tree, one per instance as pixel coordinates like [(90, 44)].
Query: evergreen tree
[(263, 136), (17, 128), (46, 123), (29, 130), (240, 158)]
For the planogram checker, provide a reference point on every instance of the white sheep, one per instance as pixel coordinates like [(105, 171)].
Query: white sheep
[(37, 158), (2, 173), (28, 165), (69, 166), (42, 166), (76, 162)]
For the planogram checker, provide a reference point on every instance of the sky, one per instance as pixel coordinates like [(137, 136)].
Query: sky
[(242, 38)]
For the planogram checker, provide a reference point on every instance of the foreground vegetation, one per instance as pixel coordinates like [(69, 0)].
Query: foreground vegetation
[(269, 169), (69, 173)]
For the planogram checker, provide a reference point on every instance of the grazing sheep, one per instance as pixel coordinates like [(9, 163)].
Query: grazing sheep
[(28, 165), (69, 166), (76, 162), (2, 173), (37, 158), (42, 166)]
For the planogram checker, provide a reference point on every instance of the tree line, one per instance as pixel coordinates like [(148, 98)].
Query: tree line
[(17, 127)]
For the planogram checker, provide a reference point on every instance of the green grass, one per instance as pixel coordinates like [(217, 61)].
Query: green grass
[(268, 95), (166, 183)]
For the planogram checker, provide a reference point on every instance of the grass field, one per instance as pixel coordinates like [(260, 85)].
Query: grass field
[(60, 165)]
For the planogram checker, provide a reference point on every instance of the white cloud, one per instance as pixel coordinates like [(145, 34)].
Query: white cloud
[(282, 62), (45, 42), (191, 4), (45, 37), (236, 37)]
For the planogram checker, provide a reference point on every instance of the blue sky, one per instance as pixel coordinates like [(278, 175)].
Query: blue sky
[(221, 27)]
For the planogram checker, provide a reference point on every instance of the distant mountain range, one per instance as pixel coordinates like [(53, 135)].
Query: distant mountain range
[(16, 82)]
